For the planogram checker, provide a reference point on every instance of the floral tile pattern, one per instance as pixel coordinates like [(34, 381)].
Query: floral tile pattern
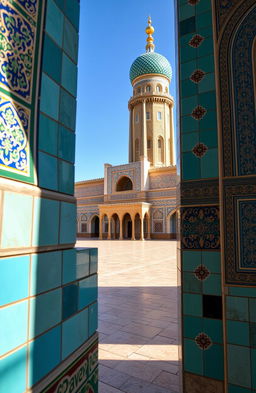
[(199, 150), (198, 113), (196, 41), (201, 272), (197, 76), (203, 341)]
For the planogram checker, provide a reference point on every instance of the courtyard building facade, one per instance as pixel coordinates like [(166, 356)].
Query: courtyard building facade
[(138, 200)]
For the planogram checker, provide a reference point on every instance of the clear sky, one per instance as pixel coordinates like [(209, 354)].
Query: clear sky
[(112, 35)]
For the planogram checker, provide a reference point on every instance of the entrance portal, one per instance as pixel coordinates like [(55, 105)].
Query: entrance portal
[(95, 227), (127, 226)]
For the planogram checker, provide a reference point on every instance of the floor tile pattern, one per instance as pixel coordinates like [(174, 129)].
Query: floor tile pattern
[(138, 351)]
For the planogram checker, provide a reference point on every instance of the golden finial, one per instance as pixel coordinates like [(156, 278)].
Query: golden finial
[(150, 40)]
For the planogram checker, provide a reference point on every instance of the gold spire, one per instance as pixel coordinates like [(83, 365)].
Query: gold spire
[(150, 40)]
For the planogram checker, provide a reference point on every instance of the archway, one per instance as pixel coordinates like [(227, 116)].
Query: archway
[(146, 226), (127, 226), (124, 184), (172, 225), (105, 225), (115, 227), (137, 226), (95, 226)]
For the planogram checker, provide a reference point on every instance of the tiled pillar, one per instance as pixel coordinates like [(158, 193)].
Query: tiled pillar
[(48, 315), (199, 246)]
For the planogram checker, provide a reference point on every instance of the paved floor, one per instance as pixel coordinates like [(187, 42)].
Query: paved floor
[(138, 350)]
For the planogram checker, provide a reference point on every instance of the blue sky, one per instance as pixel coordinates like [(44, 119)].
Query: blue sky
[(112, 35)]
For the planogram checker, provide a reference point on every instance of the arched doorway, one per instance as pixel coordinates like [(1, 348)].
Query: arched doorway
[(146, 226), (173, 226), (105, 226), (137, 226), (115, 227), (124, 184), (127, 226), (95, 226)]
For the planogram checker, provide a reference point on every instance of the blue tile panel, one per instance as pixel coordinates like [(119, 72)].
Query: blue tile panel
[(13, 372), (16, 271), (45, 271), (58, 97), (74, 332), (13, 332), (88, 291)]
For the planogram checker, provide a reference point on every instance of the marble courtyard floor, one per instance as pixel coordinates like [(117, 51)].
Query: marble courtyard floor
[(138, 350)]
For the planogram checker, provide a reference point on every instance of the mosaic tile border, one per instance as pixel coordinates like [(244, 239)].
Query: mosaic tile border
[(19, 87)]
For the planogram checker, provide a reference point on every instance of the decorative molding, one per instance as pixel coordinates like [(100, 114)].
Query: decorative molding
[(199, 192)]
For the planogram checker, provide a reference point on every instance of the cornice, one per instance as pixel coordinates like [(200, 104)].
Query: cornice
[(159, 98)]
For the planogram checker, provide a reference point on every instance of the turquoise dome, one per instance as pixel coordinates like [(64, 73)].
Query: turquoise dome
[(150, 63)]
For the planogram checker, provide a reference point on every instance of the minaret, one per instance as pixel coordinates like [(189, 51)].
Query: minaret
[(151, 107)]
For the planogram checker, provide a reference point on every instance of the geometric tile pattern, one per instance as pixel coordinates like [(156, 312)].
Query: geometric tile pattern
[(199, 150), (18, 66), (150, 63), (196, 41), (197, 76), (201, 273), (198, 113), (200, 227), (203, 341)]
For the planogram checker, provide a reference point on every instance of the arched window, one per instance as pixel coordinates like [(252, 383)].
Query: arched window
[(137, 150), (160, 148), (84, 220), (139, 90), (124, 184), (158, 88), (148, 88)]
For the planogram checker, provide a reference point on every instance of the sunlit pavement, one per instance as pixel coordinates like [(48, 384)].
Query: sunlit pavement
[(138, 350)]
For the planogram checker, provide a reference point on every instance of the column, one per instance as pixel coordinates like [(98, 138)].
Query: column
[(148, 235), (166, 138), (121, 228), (100, 228), (141, 229), (133, 228), (131, 136), (171, 136), (144, 130), (109, 228)]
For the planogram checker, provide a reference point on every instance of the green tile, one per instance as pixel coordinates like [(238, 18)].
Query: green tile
[(48, 135), (211, 259), (206, 48), (203, 20), (212, 357), (192, 326), (238, 333), (240, 291), (13, 372), (66, 177), (72, 12), (186, 69), (207, 83), (203, 6), (193, 357), (66, 149), (188, 105), (252, 329), (252, 303), (214, 329), (70, 41), (209, 121), (188, 88), (190, 260), (239, 366), (209, 138), (189, 141), (237, 308), (208, 100), (189, 124), (209, 164), (191, 283), (67, 114), (205, 31), (45, 222), (190, 166), (187, 53), (206, 63), (47, 165), (17, 220), (253, 368), (54, 22), (237, 389), (69, 75), (186, 11), (68, 223), (184, 40), (212, 285), (52, 51), (50, 92), (188, 26), (192, 304)]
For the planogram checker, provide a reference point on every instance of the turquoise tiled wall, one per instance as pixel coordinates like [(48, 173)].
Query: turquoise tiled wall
[(48, 297), (58, 97)]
